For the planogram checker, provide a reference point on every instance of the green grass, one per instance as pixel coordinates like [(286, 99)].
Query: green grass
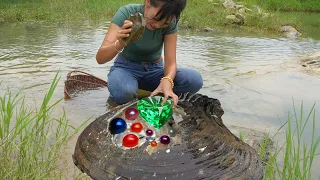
[(32, 141), (287, 5), (59, 10), (293, 159), (298, 156), (200, 14), (241, 136), (197, 15)]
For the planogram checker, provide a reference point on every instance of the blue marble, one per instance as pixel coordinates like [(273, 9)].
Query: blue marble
[(117, 126)]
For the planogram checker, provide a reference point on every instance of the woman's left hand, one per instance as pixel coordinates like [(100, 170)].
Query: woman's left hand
[(165, 87)]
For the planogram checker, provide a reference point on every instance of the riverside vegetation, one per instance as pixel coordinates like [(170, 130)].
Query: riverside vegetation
[(295, 155), (260, 15), (32, 141)]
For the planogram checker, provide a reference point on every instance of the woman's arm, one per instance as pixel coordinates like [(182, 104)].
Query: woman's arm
[(109, 48), (170, 69), (170, 46)]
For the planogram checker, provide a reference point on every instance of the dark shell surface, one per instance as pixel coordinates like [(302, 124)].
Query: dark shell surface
[(202, 148)]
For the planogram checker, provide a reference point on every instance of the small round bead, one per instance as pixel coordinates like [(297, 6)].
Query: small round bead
[(136, 127), (149, 132), (165, 139), (153, 144), (172, 132)]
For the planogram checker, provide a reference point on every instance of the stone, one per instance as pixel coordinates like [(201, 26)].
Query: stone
[(208, 29), (311, 62), (229, 4), (153, 112), (290, 31), (236, 19), (242, 10)]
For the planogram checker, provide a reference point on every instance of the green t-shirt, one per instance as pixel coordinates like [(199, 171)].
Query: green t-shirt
[(149, 47)]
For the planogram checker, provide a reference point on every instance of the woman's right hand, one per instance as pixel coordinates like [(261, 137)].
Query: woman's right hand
[(113, 41), (124, 32)]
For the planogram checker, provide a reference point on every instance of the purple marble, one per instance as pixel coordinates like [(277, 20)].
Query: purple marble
[(165, 139)]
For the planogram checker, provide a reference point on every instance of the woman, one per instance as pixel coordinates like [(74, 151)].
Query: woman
[(139, 65)]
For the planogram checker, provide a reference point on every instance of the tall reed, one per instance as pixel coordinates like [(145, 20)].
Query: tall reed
[(31, 140), (298, 156)]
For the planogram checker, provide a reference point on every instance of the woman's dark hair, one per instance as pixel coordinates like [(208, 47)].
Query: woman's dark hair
[(169, 8)]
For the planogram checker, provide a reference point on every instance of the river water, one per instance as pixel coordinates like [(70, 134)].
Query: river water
[(257, 77)]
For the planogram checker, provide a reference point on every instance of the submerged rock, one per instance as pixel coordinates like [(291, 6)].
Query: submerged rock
[(208, 29), (312, 62), (202, 147), (290, 31)]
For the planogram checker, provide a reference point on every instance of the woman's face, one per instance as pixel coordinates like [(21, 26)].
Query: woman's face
[(151, 19)]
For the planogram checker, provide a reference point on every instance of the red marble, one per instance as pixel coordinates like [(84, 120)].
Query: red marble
[(136, 127), (130, 140)]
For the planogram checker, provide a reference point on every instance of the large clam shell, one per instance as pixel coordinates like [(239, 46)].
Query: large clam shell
[(206, 148)]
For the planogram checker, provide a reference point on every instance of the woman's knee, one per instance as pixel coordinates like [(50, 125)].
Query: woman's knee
[(189, 80), (121, 92), (195, 81), (121, 95)]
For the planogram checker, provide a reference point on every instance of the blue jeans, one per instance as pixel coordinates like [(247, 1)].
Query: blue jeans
[(126, 77)]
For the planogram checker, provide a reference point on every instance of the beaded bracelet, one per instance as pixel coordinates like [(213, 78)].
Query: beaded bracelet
[(115, 46), (168, 78)]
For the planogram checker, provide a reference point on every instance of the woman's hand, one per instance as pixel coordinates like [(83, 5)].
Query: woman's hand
[(124, 32), (165, 87), (113, 41), (166, 84)]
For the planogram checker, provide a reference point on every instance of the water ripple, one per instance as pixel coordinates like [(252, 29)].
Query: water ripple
[(30, 55)]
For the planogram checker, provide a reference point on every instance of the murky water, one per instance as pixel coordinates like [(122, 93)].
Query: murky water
[(256, 77)]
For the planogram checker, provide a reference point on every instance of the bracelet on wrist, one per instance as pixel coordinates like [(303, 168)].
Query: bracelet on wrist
[(115, 46), (169, 79)]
